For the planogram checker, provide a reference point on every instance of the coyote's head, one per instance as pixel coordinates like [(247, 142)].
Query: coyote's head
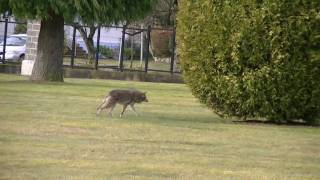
[(142, 97)]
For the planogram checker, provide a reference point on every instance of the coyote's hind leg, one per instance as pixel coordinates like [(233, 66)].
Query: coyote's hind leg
[(106, 104)]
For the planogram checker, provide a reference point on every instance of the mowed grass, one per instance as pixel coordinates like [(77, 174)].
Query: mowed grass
[(50, 131)]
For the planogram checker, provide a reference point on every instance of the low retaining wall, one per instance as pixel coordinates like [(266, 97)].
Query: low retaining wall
[(131, 76), (100, 74), (10, 69)]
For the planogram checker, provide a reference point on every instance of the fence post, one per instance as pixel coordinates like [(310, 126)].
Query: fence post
[(5, 40), (141, 45), (122, 47), (148, 44), (173, 49), (73, 46), (98, 49)]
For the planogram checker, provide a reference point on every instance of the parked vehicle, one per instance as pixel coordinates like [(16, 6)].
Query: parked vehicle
[(15, 47)]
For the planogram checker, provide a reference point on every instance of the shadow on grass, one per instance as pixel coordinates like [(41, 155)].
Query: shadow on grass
[(196, 122), (27, 82), (264, 122), (104, 84), (176, 142)]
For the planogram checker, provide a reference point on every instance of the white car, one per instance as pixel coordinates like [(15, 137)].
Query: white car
[(15, 47)]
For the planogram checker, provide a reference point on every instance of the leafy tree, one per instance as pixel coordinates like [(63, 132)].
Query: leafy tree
[(53, 14), (167, 14), (163, 13), (21, 26), (253, 58)]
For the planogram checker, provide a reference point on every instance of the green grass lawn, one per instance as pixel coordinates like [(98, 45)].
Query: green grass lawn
[(50, 131)]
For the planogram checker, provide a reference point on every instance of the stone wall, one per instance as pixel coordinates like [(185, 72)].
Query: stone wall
[(33, 29), (126, 75)]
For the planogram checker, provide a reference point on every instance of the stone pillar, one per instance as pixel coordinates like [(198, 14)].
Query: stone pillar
[(33, 29)]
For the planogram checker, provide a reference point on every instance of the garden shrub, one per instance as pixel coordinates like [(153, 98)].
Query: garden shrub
[(127, 53), (106, 52), (252, 58)]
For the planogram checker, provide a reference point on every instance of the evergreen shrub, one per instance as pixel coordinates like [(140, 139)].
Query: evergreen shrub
[(252, 58)]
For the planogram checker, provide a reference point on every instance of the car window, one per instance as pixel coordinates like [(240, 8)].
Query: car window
[(15, 41)]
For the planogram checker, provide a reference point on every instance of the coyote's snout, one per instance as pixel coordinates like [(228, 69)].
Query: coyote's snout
[(123, 97)]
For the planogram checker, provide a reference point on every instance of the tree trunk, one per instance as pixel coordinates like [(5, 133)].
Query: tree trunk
[(131, 53), (48, 65), (91, 50), (88, 40)]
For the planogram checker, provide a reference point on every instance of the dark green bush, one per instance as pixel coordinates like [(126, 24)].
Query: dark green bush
[(127, 53), (20, 29), (253, 58), (106, 52)]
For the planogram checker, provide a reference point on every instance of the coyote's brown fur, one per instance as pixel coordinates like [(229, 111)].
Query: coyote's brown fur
[(123, 97)]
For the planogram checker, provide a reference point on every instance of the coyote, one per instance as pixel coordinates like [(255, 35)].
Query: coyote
[(124, 97)]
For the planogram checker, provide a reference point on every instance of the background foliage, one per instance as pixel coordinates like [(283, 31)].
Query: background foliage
[(54, 13), (253, 58), (21, 27), (106, 52), (161, 43), (88, 11)]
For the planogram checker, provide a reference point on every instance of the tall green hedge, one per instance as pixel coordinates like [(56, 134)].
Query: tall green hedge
[(252, 58)]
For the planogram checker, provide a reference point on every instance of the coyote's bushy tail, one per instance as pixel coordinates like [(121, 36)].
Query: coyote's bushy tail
[(103, 104)]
